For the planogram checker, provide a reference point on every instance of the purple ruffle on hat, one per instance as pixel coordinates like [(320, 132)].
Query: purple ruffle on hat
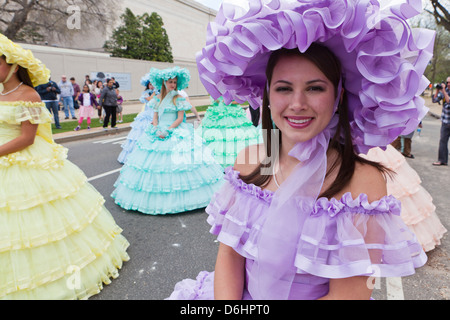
[(383, 58)]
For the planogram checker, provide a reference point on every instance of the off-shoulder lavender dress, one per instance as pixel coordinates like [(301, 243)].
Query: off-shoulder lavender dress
[(339, 239)]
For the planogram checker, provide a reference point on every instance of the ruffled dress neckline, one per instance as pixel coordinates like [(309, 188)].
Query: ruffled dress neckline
[(338, 239), (16, 112), (333, 205), (22, 103)]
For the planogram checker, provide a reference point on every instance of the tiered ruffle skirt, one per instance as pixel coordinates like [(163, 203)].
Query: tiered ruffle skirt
[(418, 211), (57, 240), (166, 176), (226, 131)]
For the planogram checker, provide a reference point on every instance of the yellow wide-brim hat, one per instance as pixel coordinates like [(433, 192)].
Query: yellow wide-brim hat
[(15, 54)]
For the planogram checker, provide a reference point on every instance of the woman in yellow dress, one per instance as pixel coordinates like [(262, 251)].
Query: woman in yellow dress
[(57, 240)]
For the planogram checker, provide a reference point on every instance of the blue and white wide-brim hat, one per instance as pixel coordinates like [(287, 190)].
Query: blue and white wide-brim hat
[(145, 80), (158, 77)]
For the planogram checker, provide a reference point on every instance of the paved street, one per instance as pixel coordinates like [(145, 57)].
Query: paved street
[(432, 281), (163, 250), (166, 249)]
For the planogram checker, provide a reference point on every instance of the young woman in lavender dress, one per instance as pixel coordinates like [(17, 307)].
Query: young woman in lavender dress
[(310, 218)]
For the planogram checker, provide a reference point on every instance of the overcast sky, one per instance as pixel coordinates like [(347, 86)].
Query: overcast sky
[(215, 4)]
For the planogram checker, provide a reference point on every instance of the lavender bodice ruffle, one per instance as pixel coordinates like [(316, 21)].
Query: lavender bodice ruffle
[(339, 239)]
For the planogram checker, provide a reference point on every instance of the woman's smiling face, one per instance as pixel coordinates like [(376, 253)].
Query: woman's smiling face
[(301, 99)]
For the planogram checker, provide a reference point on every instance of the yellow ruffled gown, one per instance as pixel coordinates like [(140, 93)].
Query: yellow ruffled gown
[(57, 240)]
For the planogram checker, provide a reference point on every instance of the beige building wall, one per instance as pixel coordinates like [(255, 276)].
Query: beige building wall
[(78, 63), (185, 21)]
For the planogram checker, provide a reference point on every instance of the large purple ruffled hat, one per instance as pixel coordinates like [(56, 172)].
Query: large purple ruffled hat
[(383, 58)]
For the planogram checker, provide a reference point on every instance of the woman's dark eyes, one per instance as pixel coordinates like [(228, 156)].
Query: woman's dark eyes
[(316, 88), (313, 88), (283, 89)]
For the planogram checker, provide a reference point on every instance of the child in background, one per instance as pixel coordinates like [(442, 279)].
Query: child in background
[(119, 107), (87, 101)]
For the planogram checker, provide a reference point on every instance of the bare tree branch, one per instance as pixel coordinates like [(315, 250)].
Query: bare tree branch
[(441, 13), (49, 18)]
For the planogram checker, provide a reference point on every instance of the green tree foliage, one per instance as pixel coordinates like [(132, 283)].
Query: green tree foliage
[(125, 39), (439, 68), (155, 36), (140, 37)]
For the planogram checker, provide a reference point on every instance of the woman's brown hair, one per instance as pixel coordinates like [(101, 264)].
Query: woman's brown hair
[(330, 66)]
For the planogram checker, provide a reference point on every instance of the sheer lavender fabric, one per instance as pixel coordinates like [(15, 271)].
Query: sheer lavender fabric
[(294, 200), (339, 238), (383, 58)]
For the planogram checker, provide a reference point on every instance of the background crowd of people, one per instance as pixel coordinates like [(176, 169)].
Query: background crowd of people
[(93, 97)]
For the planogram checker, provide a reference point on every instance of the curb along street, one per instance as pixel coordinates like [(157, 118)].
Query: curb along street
[(98, 132)]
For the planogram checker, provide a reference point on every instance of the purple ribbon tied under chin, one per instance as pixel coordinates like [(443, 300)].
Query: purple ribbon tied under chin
[(274, 270)]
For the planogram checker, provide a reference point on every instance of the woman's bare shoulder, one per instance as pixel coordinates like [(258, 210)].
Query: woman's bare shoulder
[(28, 94), (368, 180)]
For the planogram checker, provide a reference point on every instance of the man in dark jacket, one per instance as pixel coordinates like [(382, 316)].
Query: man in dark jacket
[(108, 100), (116, 85), (49, 95), (76, 93)]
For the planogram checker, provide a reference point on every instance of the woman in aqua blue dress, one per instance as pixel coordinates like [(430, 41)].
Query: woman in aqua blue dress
[(142, 121), (170, 170)]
